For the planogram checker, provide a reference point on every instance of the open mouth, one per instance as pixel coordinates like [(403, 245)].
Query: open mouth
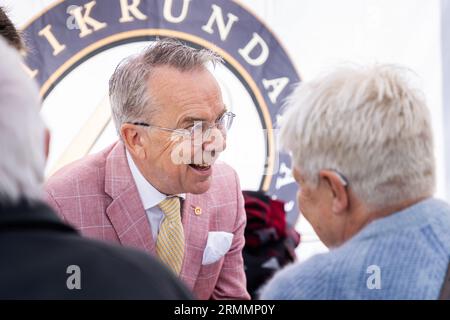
[(200, 167)]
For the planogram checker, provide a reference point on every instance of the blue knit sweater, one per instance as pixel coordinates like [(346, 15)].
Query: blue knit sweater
[(402, 256)]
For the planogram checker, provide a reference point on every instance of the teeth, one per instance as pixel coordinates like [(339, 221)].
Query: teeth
[(202, 165)]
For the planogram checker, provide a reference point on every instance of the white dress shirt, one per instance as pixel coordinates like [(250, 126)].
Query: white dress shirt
[(150, 197)]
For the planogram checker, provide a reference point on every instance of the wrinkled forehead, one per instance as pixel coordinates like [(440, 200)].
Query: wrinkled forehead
[(194, 93)]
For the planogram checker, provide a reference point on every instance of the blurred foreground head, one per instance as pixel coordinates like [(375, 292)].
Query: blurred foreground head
[(22, 132), (362, 147)]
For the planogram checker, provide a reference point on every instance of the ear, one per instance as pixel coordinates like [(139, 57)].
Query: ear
[(338, 189), (133, 140)]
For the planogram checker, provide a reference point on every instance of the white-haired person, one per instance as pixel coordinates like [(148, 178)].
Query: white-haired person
[(362, 151)]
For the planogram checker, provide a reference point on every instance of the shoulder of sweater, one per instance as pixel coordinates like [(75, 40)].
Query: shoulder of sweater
[(425, 223), (297, 281), (430, 212)]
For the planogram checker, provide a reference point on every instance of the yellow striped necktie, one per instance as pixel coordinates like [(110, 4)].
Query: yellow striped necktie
[(170, 241)]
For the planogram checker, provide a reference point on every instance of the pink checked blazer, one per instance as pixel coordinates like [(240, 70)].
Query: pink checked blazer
[(98, 196)]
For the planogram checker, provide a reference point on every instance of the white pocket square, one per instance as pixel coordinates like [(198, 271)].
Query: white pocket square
[(218, 244)]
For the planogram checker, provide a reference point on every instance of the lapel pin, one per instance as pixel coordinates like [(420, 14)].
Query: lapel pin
[(198, 211)]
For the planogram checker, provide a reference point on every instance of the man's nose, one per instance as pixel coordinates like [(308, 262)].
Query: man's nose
[(215, 142)]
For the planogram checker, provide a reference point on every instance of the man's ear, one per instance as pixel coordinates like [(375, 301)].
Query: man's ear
[(338, 189), (133, 140)]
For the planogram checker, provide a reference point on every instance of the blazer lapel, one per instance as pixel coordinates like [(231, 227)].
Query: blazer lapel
[(126, 212), (196, 226)]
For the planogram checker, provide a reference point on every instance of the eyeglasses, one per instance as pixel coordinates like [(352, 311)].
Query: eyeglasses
[(342, 178), (200, 129)]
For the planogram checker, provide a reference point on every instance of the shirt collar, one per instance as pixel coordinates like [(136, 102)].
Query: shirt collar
[(149, 195)]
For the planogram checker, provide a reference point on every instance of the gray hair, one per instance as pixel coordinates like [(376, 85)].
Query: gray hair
[(22, 131), (128, 86), (371, 125)]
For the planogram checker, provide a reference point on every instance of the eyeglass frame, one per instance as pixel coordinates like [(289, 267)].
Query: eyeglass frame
[(186, 132), (343, 179)]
